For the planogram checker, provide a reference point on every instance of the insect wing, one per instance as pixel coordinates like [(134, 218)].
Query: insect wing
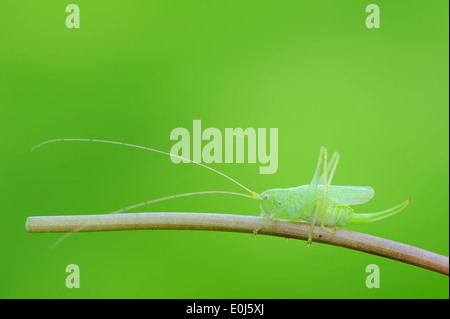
[(349, 195)]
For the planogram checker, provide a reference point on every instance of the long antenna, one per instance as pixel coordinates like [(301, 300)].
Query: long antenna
[(147, 203), (145, 148), (175, 196)]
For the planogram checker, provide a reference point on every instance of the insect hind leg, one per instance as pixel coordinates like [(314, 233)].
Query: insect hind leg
[(325, 189), (313, 222), (329, 169), (325, 180), (332, 164), (311, 191)]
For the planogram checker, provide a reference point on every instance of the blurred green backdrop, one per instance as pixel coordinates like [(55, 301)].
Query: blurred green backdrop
[(135, 70)]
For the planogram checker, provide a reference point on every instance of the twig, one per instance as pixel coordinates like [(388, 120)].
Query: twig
[(244, 224)]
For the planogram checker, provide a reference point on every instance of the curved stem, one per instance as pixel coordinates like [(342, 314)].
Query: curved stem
[(244, 224)]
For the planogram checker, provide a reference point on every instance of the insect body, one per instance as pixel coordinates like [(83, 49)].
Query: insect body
[(291, 202), (338, 212), (317, 203), (321, 202)]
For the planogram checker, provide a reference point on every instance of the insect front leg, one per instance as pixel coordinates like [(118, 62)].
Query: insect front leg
[(270, 217)]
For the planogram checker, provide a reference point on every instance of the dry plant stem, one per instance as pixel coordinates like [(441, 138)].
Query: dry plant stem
[(244, 224)]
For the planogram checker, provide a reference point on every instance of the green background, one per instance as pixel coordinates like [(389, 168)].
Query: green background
[(135, 70)]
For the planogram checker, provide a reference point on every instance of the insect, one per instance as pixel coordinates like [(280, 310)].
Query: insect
[(318, 203)]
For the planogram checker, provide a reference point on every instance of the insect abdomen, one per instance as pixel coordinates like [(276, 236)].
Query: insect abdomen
[(334, 216)]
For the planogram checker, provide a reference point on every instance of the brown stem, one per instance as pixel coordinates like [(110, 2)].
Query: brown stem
[(244, 224)]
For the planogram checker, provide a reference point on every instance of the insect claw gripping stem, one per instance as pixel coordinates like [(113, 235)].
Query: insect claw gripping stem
[(328, 229), (255, 232)]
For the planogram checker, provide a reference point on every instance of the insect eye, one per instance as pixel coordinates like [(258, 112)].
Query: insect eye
[(266, 197)]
